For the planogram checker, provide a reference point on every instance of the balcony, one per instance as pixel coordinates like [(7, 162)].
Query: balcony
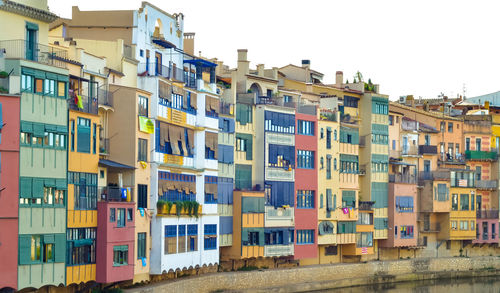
[(486, 184), (461, 183), (366, 205), (264, 100), (480, 155), (226, 108), (115, 193), (487, 214), (280, 174), (278, 250), (410, 151), (448, 158), (328, 115), (394, 154), (22, 49), (278, 217), (434, 175), (104, 146), (173, 72), (427, 149), (178, 208), (105, 98), (402, 178), (430, 228), (306, 109), (83, 104)]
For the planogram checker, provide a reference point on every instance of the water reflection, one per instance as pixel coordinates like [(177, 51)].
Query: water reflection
[(485, 285)]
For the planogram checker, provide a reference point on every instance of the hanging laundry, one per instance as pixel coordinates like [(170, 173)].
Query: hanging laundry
[(345, 211), (79, 102), (141, 210)]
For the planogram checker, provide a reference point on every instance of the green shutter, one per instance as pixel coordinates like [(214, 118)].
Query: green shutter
[(83, 137), (61, 184), (62, 129), (49, 183), (37, 187), (39, 74), (28, 71), (261, 237), (244, 235), (380, 223), (25, 187), (26, 127), (24, 249), (38, 130), (49, 239), (249, 150), (31, 26), (51, 75), (63, 78), (60, 248)]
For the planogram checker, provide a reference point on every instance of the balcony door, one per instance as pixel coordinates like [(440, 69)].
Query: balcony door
[(478, 203), (31, 41), (158, 63), (405, 145), (478, 144)]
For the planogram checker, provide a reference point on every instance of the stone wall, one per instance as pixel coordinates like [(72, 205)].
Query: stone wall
[(318, 277)]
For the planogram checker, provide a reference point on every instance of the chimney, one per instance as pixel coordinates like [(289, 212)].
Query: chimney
[(243, 63), (189, 43), (339, 78), (260, 69), (275, 72), (306, 63)]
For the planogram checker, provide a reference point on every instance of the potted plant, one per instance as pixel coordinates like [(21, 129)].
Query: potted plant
[(160, 207), (3, 74)]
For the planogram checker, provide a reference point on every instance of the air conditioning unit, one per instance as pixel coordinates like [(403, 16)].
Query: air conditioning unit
[(402, 99)]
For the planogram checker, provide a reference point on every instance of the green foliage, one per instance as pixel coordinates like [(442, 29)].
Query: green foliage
[(4, 90), (160, 204), (3, 74), (178, 207), (196, 206), (169, 206)]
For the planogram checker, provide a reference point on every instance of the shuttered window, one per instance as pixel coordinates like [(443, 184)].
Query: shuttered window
[(83, 135)]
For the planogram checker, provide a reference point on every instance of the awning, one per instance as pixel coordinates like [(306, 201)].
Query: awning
[(401, 163), (164, 43), (115, 165), (200, 62)]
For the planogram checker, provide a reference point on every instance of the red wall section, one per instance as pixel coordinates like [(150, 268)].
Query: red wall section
[(9, 191), (306, 179), (108, 236)]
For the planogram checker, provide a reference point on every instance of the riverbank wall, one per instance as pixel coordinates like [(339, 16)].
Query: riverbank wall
[(310, 278)]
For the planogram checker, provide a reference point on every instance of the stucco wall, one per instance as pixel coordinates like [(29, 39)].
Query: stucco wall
[(331, 276)]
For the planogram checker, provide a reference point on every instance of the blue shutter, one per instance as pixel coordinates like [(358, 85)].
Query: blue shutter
[(83, 137), (24, 249), (60, 248), (25, 189)]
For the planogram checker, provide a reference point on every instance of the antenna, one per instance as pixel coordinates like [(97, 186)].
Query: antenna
[(464, 90)]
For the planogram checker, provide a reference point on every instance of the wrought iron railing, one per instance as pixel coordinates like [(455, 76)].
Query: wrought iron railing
[(487, 214), (83, 104), (22, 49)]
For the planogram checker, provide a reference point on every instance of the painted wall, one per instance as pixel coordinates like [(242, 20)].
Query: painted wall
[(9, 184)]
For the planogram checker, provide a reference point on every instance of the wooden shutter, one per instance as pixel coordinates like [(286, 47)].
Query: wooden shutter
[(194, 100), (24, 249), (25, 189), (37, 188), (60, 248)]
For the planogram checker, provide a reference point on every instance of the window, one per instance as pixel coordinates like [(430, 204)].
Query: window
[(253, 238), (442, 192), (49, 87), (38, 86), (478, 172), (130, 215), (181, 239), (391, 120), (328, 167), (380, 108), (350, 102), (85, 190), (305, 127), (120, 255), (305, 159), (170, 239), (120, 220), (305, 199), (72, 135), (393, 144), (94, 138), (141, 52), (273, 238), (81, 246), (321, 163), (478, 144), (464, 202), (334, 163), (210, 240), (404, 204), (142, 196), (365, 219), (83, 135), (61, 89), (450, 127), (364, 239), (192, 232), (141, 245), (348, 198), (142, 150), (406, 232), (335, 134), (305, 236), (442, 125), (427, 139), (453, 225), (467, 144), (240, 144), (328, 138), (36, 253), (112, 215), (322, 134), (464, 225), (331, 250), (287, 99), (143, 106), (472, 202), (279, 122), (26, 83)]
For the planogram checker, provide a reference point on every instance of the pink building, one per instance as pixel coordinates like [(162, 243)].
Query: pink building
[(402, 206), (306, 180), (9, 189), (115, 241)]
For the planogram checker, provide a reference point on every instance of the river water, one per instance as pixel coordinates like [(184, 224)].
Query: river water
[(486, 285)]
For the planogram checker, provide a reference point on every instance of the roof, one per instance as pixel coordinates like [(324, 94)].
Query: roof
[(400, 163), (438, 115), (116, 72), (113, 164), (493, 98), (310, 70), (201, 63), (25, 10)]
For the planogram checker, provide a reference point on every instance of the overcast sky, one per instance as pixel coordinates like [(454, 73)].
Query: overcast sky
[(408, 47)]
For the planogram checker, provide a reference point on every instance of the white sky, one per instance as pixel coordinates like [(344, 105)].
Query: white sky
[(408, 47)]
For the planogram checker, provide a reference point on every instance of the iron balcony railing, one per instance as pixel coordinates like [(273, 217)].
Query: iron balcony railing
[(105, 98), (428, 227), (366, 205), (172, 72), (104, 146), (265, 100), (487, 214), (481, 155), (451, 158), (87, 104), (22, 49), (486, 184), (427, 149), (434, 175), (409, 150), (114, 193), (394, 153), (402, 178), (226, 108)]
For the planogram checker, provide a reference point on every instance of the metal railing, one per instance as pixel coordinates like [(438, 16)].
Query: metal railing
[(226, 108), (22, 49), (153, 69), (427, 149), (114, 193), (451, 158), (481, 155), (402, 178), (394, 153), (487, 214), (428, 227), (306, 109), (366, 205), (105, 98), (434, 175), (88, 104), (104, 146), (410, 150), (486, 184), (264, 100)]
